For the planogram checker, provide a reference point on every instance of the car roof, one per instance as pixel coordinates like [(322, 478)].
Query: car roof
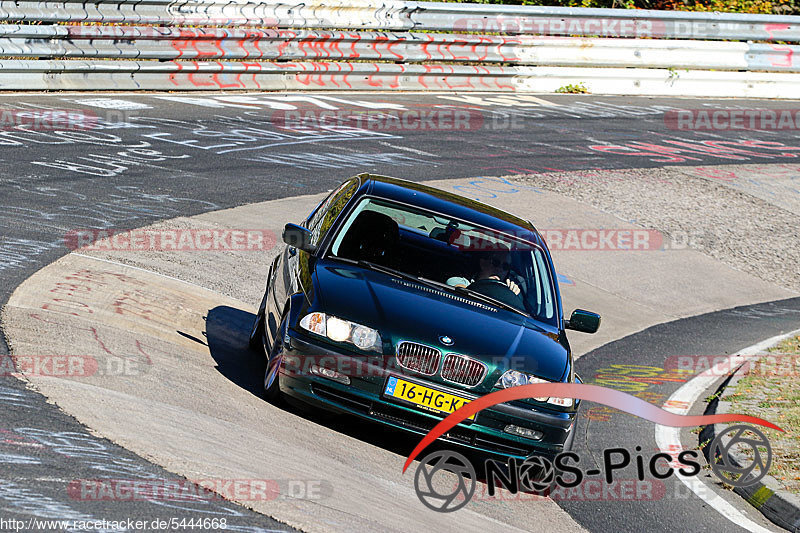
[(449, 204)]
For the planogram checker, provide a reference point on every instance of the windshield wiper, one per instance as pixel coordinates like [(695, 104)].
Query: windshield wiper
[(432, 283), (489, 300), (388, 270), (400, 274)]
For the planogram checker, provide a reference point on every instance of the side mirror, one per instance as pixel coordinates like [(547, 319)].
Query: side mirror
[(299, 237), (584, 321)]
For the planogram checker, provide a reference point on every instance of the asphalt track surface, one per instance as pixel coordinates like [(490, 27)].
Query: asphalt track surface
[(151, 157), (673, 507)]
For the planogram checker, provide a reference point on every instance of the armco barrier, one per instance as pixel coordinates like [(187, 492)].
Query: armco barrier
[(149, 42), (360, 45), (347, 76)]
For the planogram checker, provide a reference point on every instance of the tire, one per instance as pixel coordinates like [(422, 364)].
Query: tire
[(272, 376), (255, 335), (257, 331)]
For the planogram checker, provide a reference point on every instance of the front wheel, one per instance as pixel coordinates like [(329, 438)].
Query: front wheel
[(257, 332), (272, 389)]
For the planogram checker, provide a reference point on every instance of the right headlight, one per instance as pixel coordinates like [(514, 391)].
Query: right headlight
[(514, 378), (339, 330)]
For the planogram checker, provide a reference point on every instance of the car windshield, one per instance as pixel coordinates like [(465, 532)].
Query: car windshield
[(476, 262)]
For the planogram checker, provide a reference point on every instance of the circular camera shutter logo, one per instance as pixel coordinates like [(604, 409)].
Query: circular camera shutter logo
[(536, 474), (759, 454), (444, 494)]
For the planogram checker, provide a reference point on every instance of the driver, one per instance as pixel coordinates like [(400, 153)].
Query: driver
[(492, 265)]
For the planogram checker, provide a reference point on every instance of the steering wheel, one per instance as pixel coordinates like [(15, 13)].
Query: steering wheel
[(488, 283), (497, 289)]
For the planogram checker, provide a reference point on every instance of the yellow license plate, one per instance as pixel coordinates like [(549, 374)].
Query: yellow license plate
[(424, 397)]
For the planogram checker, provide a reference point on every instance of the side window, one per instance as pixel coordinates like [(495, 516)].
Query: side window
[(322, 219)]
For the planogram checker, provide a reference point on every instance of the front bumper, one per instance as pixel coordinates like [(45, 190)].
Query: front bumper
[(364, 398)]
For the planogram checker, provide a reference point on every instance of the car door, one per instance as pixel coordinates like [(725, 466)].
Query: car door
[(293, 269)]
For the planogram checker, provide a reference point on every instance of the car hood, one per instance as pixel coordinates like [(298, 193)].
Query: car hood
[(406, 310)]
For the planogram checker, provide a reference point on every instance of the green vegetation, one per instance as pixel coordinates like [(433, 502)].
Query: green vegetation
[(578, 88), (789, 7), (771, 390)]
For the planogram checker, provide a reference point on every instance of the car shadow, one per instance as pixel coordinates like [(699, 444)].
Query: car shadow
[(227, 332)]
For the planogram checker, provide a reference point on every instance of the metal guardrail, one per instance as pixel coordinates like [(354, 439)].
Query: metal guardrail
[(267, 45), (416, 16), (148, 42), (217, 75)]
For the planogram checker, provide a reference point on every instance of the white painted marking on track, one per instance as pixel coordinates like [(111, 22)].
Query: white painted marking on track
[(407, 149), (540, 101), (11, 458), (112, 103), (668, 438)]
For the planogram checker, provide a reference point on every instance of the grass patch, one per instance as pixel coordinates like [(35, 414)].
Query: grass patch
[(576, 88), (771, 390)]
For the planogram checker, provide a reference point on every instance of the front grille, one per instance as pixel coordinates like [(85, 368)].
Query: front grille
[(418, 422), (463, 370), (418, 357)]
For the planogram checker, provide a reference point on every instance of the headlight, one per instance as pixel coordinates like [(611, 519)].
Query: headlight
[(339, 330), (513, 378)]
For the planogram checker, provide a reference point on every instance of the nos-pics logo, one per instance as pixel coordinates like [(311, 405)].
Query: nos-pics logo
[(445, 481)]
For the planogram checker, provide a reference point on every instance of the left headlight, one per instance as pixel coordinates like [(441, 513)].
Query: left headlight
[(514, 378), (339, 330)]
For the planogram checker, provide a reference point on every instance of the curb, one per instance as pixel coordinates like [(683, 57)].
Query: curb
[(767, 495)]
